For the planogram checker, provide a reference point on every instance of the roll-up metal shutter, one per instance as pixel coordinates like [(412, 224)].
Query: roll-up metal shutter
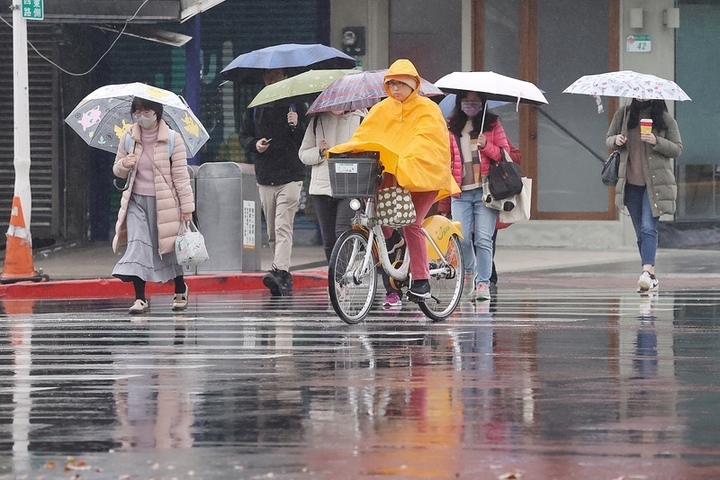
[(42, 92), (228, 30)]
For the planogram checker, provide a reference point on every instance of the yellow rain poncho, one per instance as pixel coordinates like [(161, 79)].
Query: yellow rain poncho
[(411, 136)]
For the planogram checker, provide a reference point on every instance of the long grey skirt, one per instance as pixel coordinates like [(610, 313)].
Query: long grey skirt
[(141, 258)]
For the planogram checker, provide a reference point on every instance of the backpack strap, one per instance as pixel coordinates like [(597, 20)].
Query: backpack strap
[(171, 144), (128, 142), (315, 122)]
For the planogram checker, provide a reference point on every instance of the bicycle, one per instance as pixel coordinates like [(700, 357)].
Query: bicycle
[(361, 250)]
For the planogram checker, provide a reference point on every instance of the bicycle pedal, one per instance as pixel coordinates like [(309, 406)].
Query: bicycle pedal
[(418, 298)]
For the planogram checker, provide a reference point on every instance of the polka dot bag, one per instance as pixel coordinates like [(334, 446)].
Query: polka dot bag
[(394, 207)]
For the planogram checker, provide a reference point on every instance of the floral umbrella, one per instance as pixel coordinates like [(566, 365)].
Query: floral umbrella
[(360, 90), (627, 83), (103, 117)]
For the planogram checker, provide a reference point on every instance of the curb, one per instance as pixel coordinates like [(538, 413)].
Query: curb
[(114, 288)]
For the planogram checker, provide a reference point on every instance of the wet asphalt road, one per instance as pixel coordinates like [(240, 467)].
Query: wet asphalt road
[(541, 383)]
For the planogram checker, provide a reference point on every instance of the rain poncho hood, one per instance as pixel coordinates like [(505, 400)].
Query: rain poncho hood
[(411, 136)]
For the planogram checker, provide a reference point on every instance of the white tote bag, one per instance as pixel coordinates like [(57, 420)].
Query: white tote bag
[(190, 245), (521, 212)]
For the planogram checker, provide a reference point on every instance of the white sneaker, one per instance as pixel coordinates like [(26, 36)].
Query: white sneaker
[(180, 301), (647, 282), (482, 292), (468, 283), (140, 306)]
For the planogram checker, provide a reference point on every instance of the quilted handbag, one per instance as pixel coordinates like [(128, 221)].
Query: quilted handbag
[(190, 245), (394, 207)]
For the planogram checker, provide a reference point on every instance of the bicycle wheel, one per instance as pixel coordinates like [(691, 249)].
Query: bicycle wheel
[(352, 289), (447, 284)]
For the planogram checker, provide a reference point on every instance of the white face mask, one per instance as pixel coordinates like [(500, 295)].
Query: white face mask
[(147, 121)]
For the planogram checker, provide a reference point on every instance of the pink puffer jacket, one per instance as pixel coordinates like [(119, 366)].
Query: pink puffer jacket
[(173, 193)]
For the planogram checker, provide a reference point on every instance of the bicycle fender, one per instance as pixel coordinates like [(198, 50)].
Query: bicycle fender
[(441, 229)]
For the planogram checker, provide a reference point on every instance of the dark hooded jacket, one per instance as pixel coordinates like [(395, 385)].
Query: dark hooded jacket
[(280, 163)]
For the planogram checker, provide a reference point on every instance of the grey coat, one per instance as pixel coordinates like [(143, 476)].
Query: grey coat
[(657, 164)]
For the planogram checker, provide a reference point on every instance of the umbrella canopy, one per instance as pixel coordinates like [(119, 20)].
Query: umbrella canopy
[(447, 104), (103, 117), (295, 57), (627, 83), (361, 90), (303, 87), (494, 86)]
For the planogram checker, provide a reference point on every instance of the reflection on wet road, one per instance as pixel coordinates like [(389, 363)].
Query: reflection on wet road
[(540, 383)]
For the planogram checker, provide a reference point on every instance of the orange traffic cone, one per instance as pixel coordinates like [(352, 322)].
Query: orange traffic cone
[(18, 264)]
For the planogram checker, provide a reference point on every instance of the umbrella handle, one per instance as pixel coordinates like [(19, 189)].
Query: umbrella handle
[(292, 109), (122, 188)]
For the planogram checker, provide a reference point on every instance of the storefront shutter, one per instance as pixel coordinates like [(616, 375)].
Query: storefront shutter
[(42, 90)]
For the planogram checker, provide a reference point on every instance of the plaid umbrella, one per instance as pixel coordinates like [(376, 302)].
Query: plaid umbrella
[(361, 90)]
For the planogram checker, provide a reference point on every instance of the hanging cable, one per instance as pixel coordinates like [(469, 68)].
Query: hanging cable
[(127, 22)]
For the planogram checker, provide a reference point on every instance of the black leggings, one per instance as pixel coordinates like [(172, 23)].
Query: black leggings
[(139, 285), (334, 216)]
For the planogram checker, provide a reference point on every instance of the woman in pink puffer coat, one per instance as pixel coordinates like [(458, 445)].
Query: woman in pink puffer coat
[(157, 199)]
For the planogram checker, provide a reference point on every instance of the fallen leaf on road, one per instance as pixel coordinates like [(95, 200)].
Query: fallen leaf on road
[(514, 475)]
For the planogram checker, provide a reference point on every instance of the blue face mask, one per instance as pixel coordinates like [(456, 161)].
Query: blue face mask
[(471, 108)]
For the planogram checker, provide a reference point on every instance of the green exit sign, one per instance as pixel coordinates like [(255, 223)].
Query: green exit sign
[(33, 9)]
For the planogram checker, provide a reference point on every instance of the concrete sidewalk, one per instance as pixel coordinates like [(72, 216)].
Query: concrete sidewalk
[(96, 260), (84, 270)]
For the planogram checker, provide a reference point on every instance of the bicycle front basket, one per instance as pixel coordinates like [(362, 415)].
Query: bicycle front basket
[(354, 175)]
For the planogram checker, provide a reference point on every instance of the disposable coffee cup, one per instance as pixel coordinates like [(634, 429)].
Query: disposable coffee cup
[(645, 125)]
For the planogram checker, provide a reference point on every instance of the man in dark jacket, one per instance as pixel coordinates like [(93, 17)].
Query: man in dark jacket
[(272, 137)]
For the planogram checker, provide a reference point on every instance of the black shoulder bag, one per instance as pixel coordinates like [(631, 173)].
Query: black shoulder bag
[(505, 178), (609, 174)]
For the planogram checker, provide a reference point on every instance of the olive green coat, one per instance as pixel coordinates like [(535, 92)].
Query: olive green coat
[(657, 164)]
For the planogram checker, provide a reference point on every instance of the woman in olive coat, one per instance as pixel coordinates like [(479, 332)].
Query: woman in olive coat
[(646, 179)]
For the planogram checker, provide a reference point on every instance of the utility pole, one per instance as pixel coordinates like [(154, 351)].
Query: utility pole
[(18, 264), (21, 113)]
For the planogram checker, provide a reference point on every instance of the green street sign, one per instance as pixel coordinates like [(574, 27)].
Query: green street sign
[(33, 9)]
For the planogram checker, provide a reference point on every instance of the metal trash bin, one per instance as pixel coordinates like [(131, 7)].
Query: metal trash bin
[(228, 210), (192, 172)]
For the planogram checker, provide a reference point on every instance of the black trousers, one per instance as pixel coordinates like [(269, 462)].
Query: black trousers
[(334, 216), (493, 275)]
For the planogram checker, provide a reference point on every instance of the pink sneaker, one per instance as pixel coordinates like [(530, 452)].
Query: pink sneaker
[(392, 300)]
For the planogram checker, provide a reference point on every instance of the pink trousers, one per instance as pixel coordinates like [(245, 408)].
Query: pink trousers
[(414, 236)]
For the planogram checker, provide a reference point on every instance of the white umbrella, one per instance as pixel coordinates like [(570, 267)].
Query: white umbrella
[(494, 86), (627, 83)]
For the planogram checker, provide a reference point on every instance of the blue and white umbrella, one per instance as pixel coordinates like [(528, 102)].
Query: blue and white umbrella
[(295, 57)]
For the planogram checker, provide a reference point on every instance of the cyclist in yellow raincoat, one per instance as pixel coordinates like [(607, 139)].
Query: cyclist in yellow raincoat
[(411, 134)]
